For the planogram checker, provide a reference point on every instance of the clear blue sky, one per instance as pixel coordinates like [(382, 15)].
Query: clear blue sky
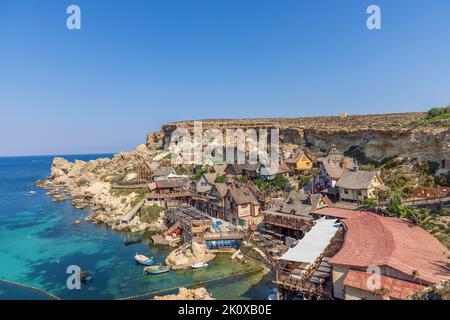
[(136, 64)]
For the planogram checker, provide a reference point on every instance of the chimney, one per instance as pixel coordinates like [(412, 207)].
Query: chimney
[(355, 168)]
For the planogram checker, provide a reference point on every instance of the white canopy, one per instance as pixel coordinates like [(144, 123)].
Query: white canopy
[(313, 243)]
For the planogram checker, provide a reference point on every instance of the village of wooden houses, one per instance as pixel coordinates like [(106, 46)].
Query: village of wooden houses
[(325, 228)]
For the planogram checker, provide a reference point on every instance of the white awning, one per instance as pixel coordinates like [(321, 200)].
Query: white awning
[(314, 242)]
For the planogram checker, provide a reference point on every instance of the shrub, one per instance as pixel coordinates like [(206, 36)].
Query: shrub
[(150, 214), (279, 182), (220, 179)]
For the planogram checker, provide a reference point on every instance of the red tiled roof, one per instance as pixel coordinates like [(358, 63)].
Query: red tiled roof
[(395, 243), (340, 213), (397, 288)]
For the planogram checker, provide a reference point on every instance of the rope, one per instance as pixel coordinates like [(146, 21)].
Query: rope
[(202, 283), (31, 287), (145, 294)]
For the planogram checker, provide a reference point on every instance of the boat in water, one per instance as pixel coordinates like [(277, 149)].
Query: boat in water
[(31, 193), (141, 259), (132, 240), (156, 269), (199, 265), (86, 277)]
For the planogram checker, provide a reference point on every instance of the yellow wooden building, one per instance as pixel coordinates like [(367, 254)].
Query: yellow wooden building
[(300, 161)]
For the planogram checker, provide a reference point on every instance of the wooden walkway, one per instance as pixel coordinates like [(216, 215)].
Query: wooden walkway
[(130, 215), (128, 186), (230, 235), (153, 196)]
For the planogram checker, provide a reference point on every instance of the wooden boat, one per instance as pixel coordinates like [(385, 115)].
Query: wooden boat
[(132, 240), (199, 265), (86, 277), (157, 269), (141, 259)]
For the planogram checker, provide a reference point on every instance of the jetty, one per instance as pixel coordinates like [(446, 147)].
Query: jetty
[(126, 218)]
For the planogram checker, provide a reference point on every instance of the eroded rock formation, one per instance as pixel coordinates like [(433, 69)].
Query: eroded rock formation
[(378, 136)]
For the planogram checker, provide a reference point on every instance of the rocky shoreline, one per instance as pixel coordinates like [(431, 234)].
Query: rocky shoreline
[(186, 294), (89, 185)]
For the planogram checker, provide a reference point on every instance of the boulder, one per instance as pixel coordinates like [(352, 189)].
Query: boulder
[(186, 294)]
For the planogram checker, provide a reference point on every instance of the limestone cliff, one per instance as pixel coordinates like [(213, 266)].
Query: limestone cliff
[(379, 136)]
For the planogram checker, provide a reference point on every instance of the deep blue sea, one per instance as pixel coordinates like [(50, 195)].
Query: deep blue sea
[(38, 241)]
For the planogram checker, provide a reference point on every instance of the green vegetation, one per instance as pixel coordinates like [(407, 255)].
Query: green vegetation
[(150, 214), (181, 170), (303, 181), (370, 204), (200, 171), (278, 183), (140, 194), (120, 176), (401, 175), (436, 224), (243, 179), (444, 180), (437, 115), (220, 179)]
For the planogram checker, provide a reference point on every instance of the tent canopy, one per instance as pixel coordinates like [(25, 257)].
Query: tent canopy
[(313, 243)]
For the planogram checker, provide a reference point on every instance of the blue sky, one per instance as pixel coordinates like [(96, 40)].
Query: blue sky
[(137, 64)]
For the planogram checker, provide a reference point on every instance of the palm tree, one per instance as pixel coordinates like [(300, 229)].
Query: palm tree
[(370, 204), (422, 218), (395, 206)]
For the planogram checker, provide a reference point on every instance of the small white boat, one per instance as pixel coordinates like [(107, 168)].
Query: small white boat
[(31, 193), (141, 259), (199, 265)]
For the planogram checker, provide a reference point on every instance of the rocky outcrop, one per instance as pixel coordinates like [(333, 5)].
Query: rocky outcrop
[(378, 136), (89, 184), (185, 256), (186, 294)]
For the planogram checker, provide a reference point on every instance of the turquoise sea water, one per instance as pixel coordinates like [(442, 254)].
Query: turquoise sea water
[(38, 241)]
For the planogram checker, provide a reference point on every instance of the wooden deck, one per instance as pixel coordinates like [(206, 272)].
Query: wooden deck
[(231, 235)]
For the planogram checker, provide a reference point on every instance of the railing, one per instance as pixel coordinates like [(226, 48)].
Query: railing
[(154, 195), (232, 235), (131, 185), (296, 223)]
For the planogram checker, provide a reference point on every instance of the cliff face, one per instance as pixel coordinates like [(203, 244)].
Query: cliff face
[(379, 136)]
